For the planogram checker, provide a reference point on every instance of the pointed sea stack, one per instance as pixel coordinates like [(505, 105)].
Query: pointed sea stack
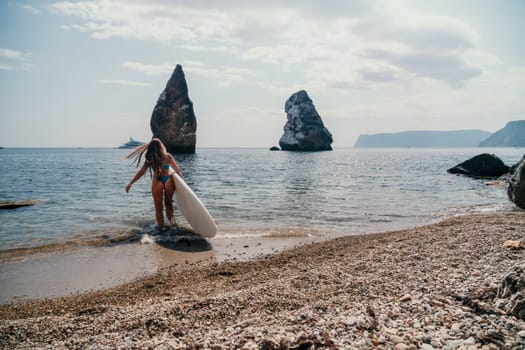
[(173, 120), (304, 130)]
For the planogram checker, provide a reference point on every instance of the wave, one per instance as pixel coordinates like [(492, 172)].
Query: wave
[(268, 232), (101, 238), (177, 238)]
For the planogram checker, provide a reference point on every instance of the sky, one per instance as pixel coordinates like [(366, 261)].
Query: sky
[(88, 73)]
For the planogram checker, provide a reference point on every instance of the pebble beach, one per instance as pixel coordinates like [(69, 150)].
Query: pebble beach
[(431, 287)]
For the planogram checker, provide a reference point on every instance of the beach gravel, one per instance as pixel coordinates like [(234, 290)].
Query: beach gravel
[(432, 287)]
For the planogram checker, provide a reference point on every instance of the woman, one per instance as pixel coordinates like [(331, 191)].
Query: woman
[(161, 165)]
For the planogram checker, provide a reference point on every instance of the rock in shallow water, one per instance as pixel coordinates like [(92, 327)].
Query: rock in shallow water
[(304, 130), (17, 204), (482, 165), (516, 189)]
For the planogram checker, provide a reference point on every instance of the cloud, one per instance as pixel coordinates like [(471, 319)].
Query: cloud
[(327, 43), (30, 9), (158, 21), (123, 82), (379, 76), (446, 67), (6, 67), (343, 85), (77, 27), (415, 29), (217, 22), (225, 75), (27, 67), (203, 48), (11, 54), (420, 45), (149, 69), (13, 60)]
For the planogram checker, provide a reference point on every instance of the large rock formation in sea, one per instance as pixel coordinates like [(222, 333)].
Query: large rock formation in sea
[(173, 120), (304, 130), (512, 135), (482, 165), (516, 188), (424, 138)]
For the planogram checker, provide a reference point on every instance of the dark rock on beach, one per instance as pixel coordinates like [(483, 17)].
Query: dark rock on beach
[(512, 292), (304, 130), (173, 120), (275, 148), (516, 188), (483, 165)]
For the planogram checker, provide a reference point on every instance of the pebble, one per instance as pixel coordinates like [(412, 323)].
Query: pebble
[(405, 297), (396, 339), (452, 344), (350, 321), (427, 347), (469, 341), (456, 327)]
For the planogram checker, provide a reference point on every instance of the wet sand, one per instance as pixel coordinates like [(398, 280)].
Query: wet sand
[(73, 270), (402, 290)]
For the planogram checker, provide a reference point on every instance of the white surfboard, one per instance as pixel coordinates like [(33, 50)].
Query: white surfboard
[(193, 210)]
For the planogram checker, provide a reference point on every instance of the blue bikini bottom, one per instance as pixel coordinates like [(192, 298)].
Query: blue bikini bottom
[(165, 179)]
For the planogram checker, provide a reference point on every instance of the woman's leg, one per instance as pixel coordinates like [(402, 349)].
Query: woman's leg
[(169, 190), (157, 191)]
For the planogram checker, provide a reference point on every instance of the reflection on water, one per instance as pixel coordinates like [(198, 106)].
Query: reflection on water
[(300, 186)]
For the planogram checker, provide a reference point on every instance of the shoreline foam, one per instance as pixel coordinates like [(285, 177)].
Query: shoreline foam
[(398, 289)]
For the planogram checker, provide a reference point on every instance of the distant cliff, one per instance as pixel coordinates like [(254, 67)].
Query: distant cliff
[(458, 138), (512, 135)]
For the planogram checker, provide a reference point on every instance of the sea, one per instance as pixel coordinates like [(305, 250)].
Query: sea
[(251, 192)]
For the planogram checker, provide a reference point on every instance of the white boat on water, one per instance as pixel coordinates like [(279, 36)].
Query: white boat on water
[(130, 144)]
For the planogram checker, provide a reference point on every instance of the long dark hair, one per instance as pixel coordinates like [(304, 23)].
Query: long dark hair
[(155, 153)]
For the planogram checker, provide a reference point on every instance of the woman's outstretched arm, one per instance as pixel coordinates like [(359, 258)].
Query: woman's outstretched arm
[(138, 175)]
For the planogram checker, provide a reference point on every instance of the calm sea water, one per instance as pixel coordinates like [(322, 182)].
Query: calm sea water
[(250, 192)]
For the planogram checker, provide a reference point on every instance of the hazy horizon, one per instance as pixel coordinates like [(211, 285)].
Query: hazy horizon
[(88, 73)]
